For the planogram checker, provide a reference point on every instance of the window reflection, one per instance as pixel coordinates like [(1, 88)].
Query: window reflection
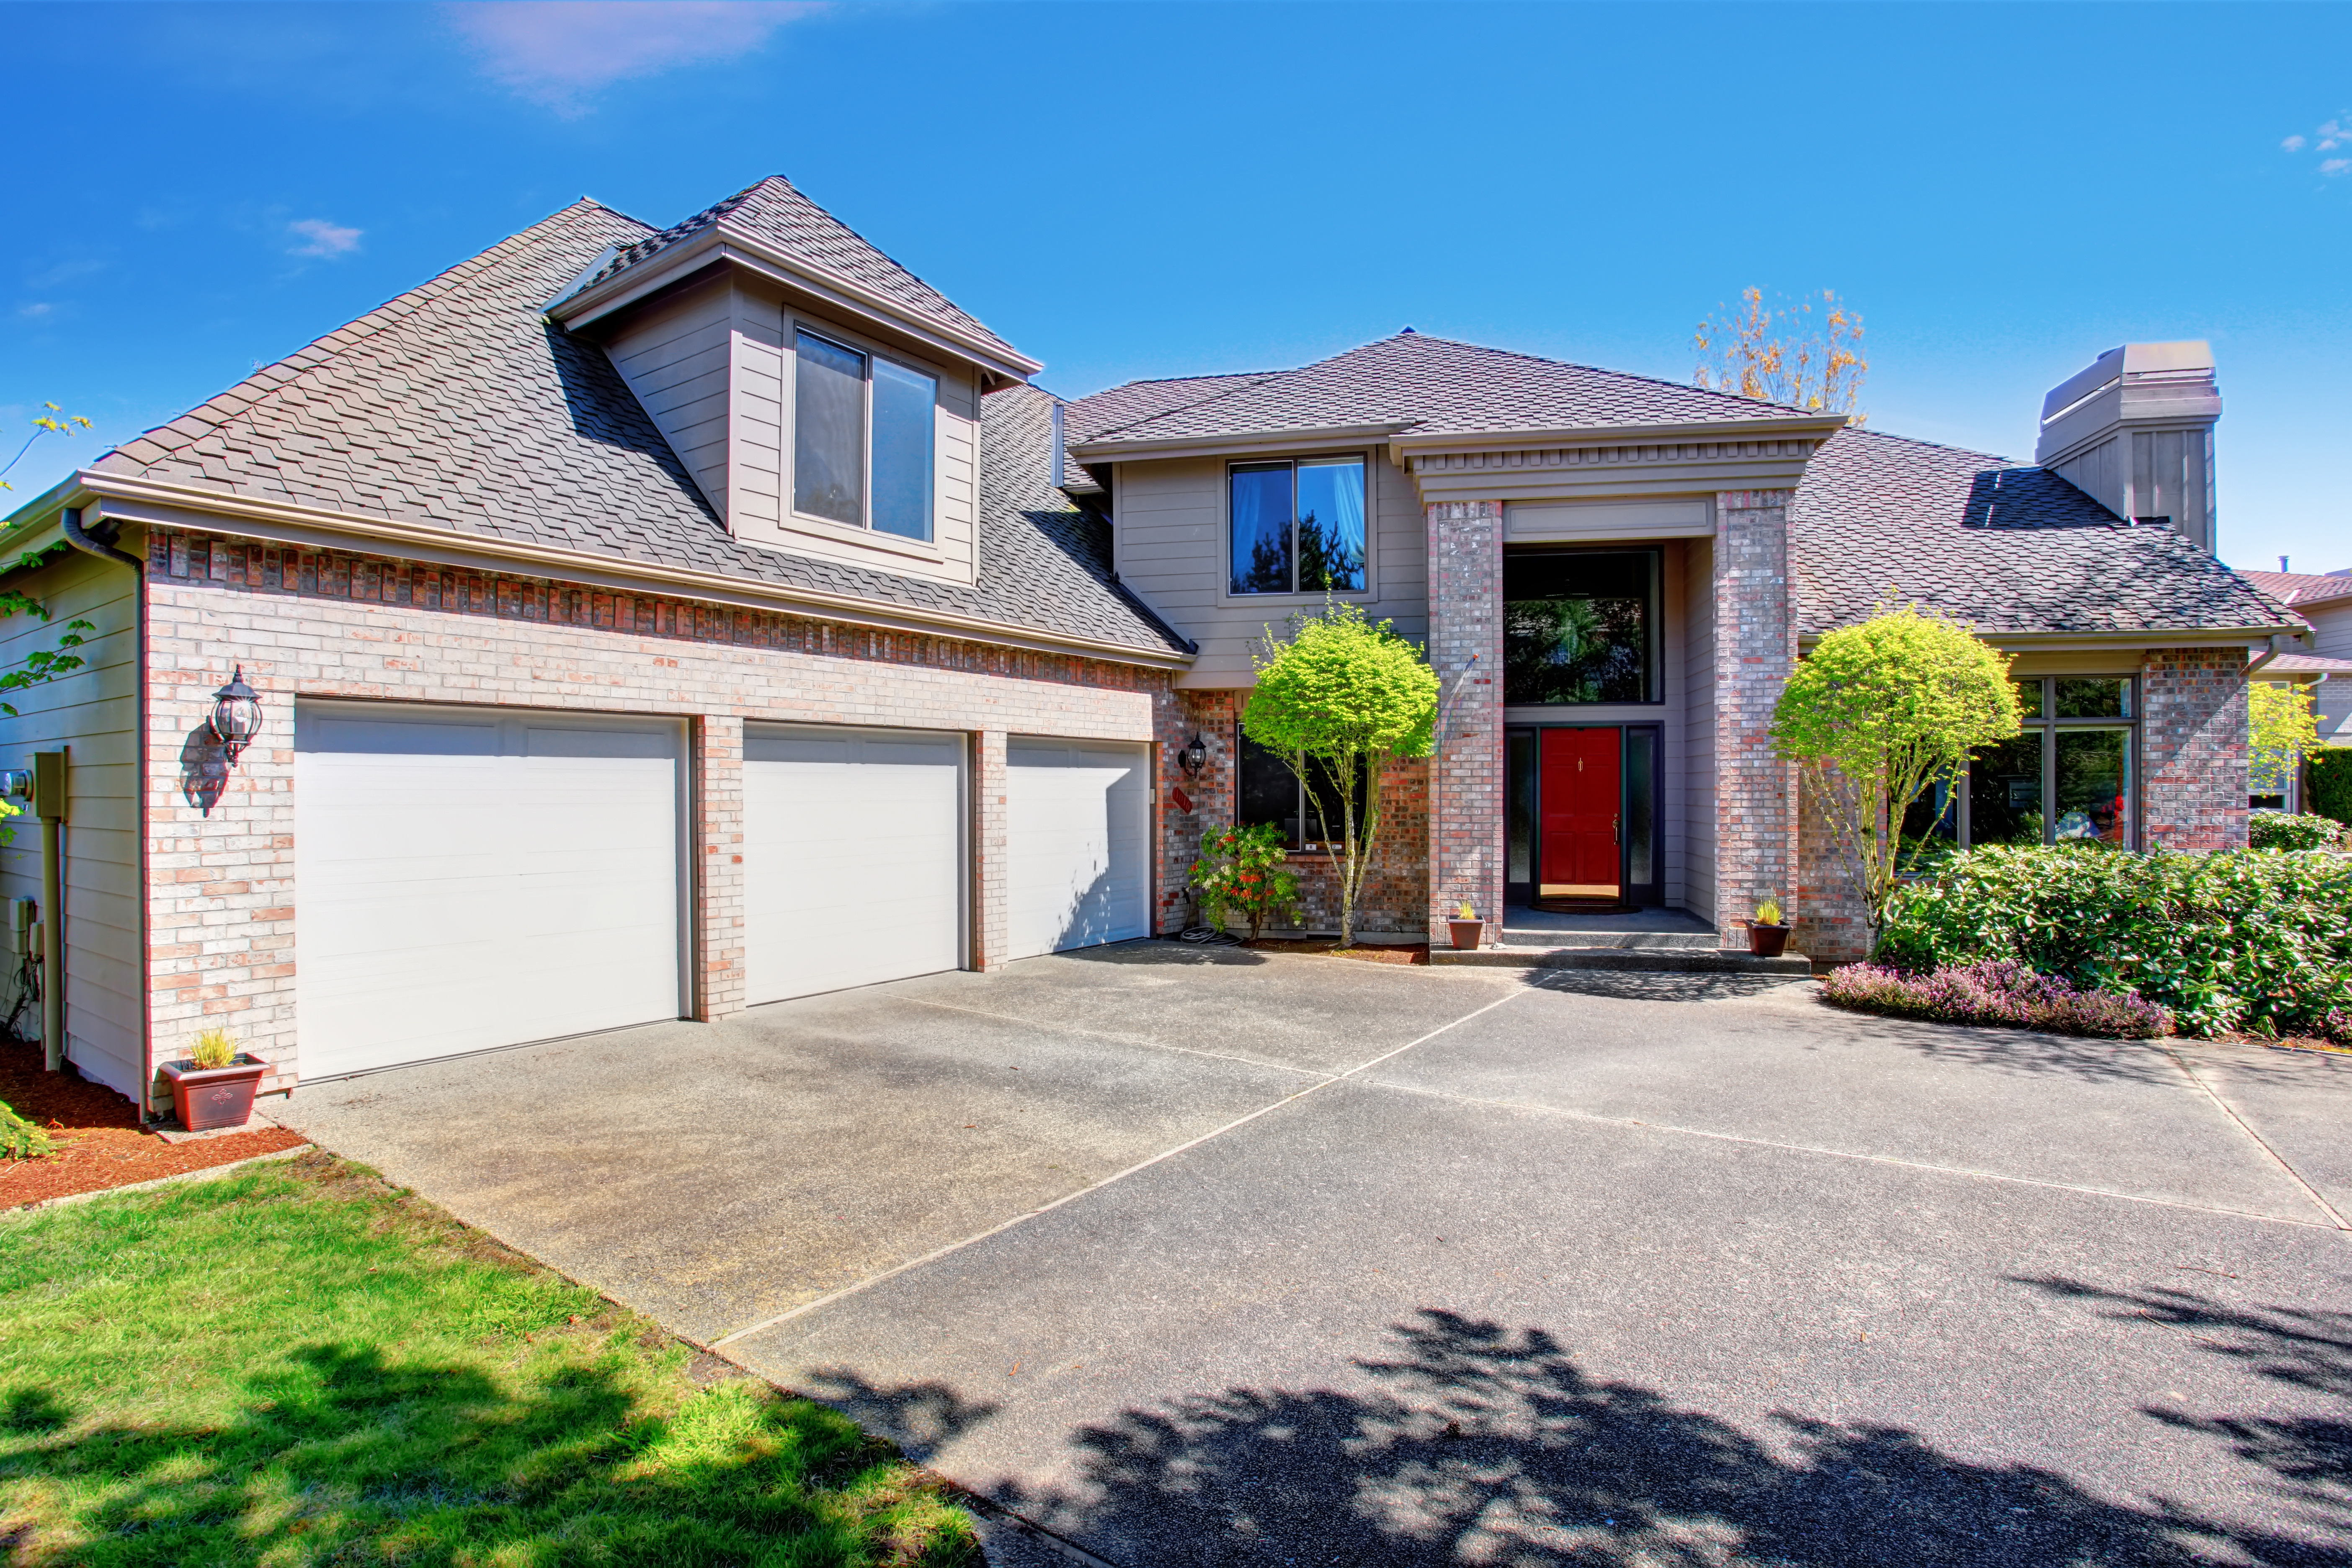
[(2005, 792), (2094, 786), (1579, 626)]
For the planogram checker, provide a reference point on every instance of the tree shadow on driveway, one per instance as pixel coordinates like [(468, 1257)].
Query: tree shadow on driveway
[(1480, 1443)]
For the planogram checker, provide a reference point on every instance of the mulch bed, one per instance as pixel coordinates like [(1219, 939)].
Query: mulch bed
[(99, 1142), (1404, 952)]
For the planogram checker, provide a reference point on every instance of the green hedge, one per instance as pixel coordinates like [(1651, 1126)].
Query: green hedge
[(2251, 940), (2331, 783), (2301, 830)]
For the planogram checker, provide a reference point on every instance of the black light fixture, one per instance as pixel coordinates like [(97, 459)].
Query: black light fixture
[(237, 714), (1194, 758)]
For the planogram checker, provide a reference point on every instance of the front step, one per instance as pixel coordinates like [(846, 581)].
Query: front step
[(1547, 938), (1690, 959)]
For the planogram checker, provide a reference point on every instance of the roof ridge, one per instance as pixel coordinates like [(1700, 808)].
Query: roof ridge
[(1576, 364), (1934, 446), (234, 402)]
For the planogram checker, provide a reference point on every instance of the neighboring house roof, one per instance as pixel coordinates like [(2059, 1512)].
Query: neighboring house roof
[(2300, 666), (2012, 548), (1424, 385), (778, 217), (456, 405), (2305, 589)]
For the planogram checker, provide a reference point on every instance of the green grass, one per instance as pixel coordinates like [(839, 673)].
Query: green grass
[(297, 1364)]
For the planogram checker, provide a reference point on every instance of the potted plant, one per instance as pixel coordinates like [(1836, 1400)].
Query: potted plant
[(214, 1086), (1768, 935), (1468, 929)]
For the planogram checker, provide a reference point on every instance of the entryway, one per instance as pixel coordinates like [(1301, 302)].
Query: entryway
[(1582, 805)]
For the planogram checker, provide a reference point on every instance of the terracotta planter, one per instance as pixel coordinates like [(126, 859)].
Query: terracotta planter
[(1767, 941), (214, 1097), (1468, 933)]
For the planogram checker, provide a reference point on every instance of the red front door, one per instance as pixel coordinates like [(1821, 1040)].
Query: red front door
[(1580, 793)]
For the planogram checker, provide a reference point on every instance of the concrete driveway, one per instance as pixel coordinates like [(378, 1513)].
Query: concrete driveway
[(1219, 1257)]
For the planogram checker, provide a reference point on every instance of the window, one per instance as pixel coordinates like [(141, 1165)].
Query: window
[(1296, 527), (1271, 791), (848, 407), (1580, 625), (2068, 776)]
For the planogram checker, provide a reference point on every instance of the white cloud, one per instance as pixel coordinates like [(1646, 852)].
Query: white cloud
[(555, 52), (320, 237), (2336, 166), (2292, 144), (34, 310)]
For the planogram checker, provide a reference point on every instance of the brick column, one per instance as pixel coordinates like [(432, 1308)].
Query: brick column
[(1466, 649), (1755, 649), (991, 913), (719, 840), (1182, 714), (2193, 747)]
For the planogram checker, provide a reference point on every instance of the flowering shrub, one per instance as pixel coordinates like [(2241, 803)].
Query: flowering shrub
[(2279, 830), (1241, 871), (2001, 991), (2254, 940)]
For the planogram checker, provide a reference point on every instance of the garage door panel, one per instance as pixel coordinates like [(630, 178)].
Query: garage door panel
[(1078, 820), (466, 883), (853, 858)]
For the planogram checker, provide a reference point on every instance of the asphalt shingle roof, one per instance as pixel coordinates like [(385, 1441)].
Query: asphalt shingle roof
[(458, 404), (1436, 386), (2301, 589), (2010, 548), (795, 227)]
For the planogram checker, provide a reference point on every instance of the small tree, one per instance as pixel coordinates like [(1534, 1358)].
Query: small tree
[(1785, 353), (1340, 697), (41, 664), (1241, 870), (2283, 728), (1876, 714)]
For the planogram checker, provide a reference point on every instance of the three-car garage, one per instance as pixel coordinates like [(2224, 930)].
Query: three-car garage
[(470, 879)]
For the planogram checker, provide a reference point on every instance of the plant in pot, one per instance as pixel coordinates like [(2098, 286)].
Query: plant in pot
[(1469, 930), (1767, 934), (214, 1086), (1241, 872)]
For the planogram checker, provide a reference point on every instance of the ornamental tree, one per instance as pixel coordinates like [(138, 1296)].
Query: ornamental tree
[(1876, 714), (1338, 696), (2283, 728)]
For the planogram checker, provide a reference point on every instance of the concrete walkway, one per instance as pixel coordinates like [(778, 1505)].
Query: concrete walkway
[(1222, 1257)]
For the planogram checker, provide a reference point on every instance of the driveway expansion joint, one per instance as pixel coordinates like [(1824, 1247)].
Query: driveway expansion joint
[(2335, 1218)]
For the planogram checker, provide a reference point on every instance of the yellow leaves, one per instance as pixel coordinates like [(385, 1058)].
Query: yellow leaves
[(1785, 353)]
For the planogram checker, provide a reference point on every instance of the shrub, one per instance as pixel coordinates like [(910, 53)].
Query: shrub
[(19, 1139), (1241, 871), (2331, 783), (2253, 939), (2279, 830), (1999, 991)]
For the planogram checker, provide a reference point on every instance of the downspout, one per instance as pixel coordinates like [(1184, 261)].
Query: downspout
[(102, 545)]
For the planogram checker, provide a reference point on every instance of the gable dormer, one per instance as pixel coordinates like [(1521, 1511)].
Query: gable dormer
[(825, 400)]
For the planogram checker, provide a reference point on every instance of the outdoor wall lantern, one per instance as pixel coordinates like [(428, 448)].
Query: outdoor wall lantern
[(1194, 758), (237, 714)]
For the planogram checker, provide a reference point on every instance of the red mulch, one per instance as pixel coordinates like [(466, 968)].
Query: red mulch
[(1403, 953), (98, 1143)]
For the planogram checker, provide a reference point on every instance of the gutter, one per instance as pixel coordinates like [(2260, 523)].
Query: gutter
[(1108, 452), (188, 506), (2144, 636)]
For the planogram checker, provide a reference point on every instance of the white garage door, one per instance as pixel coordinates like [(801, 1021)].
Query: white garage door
[(467, 879), (853, 858), (1078, 822)]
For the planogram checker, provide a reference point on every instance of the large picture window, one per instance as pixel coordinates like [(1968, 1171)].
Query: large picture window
[(1271, 791), (1296, 527), (2069, 777), (1580, 625), (862, 439)]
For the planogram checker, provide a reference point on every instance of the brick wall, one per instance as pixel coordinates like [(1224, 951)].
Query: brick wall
[(1755, 649), (221, 893), (2193, 748), (1466, 649)]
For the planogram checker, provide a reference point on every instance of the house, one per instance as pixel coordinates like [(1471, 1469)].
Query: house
[(650, 623), (2324, 600)]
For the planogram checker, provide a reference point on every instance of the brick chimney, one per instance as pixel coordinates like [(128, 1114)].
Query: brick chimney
[(2135, 433)]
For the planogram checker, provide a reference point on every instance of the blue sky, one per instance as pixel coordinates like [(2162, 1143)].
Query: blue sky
[(1128, 190)]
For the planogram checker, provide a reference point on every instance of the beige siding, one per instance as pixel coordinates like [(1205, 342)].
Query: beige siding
[(2332, 638), (1167, 542), (94, 713), (1698, 827), (677, 360)]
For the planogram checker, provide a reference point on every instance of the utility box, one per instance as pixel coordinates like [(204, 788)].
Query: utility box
[(49, 785), (23, 913)]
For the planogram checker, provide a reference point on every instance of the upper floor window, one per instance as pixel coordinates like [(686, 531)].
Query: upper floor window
[(862, 439), (1580, 625), (1297, 527)]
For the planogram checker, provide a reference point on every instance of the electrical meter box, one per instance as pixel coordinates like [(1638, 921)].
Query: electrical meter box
[(49, 785)]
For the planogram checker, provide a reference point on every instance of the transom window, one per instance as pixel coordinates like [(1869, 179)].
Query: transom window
[(1580, 625), (862, 439), (1296, 527), (2070, 776)]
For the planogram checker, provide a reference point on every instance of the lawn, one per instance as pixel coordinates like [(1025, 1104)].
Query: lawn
[(298, 1364)]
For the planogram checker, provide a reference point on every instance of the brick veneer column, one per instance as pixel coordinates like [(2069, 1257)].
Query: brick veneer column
[(1755, 649), (991, 909), (1466, 649), (718, 813), (2193, 747), (1187, 712)]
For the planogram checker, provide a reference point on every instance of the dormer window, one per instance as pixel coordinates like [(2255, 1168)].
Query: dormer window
[(862, 439)]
